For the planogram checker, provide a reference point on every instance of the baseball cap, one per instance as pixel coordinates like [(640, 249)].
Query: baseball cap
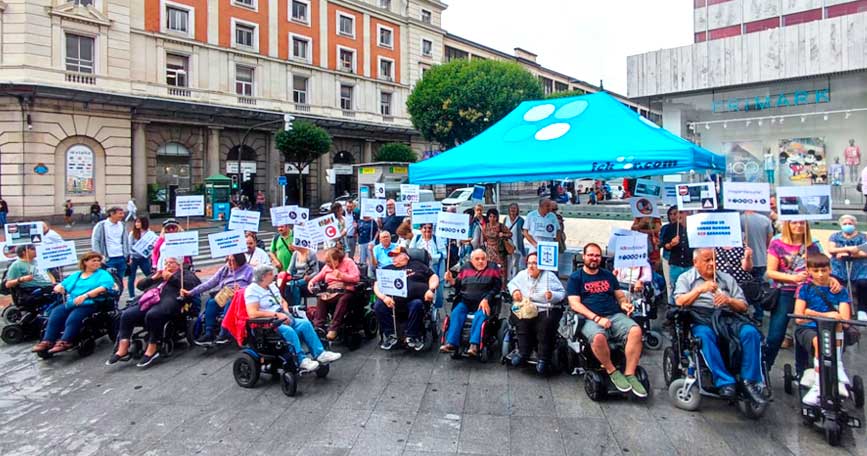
[(397, 251), (171, 221)]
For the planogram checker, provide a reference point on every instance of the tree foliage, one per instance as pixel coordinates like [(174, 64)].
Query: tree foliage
[(566, 94), (396, 152), (303, 145), (458, 100)]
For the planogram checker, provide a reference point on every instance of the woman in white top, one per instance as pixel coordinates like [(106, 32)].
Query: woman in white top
[(428, 242)]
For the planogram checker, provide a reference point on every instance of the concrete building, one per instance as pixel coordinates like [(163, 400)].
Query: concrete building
[(103, 100)]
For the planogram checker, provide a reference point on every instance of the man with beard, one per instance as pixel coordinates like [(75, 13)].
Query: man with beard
[(595, 294)]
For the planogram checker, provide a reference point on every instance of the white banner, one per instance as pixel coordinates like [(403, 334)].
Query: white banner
[(714, 229), (452, 226), (402, 208), (747, 196), (7, 253), (379, 190), (409, 192), (630, 251), (809, 202), (647, 187), (189, 206), (244, 220), (644, 206), (24, 233), (426, 212), (391, 282), (179, 245), (696, 197), (326, 225), (372, 207), (56, 255), (227, 243), (548, 255), (145, 245), (302, 238), (280, 215)]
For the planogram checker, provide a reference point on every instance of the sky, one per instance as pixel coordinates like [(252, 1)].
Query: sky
[(585, 39)]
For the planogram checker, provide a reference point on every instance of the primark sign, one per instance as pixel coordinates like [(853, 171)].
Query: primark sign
[(773, 101)]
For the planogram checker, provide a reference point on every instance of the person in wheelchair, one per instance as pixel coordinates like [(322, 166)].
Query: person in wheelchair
[(543, 291), (421, 285), (25, 274), (707, 292), (595, 294), (264, 301), (236, 274), (341, 275), (476, 285), (160, 302), (65, 320)]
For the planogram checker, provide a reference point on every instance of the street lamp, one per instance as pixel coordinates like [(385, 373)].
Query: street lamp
[(287, 126)]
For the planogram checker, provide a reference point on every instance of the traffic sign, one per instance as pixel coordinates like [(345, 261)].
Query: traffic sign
[(281, 180)]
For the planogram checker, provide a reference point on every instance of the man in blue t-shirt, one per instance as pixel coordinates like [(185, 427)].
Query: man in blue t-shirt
[(595, 294)]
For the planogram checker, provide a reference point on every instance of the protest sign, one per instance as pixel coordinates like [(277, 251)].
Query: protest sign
[(426, 212), (7, 252), (23, 233), (714, 229), (280, 215), (227, 243), (189, 206), (379, 190), (409, 192), (371, 207), (696, 197), (612, 239), (630, 250), (145, 245), (403, 208), (298, 214), (391, 282), (478, 193), (810, 202), (647, 187), (56, 255), (548, 255), (244, 220), (644, 206), (326, 225), (452, 226), (747, 196), (178, 245), (669, 194), (300, 237)]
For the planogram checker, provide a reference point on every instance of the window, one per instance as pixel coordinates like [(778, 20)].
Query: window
[(346, 97), (345, 25), (347, 60), (426, 16), (244, 80), (245, 3), (79, 170), (386, 69), (84, 2), (177, 19), (455, 54), (386, 4), (176, 70), (385, 103), (427, 48), (560, 87), (300, 11), (300, 47), (245, 35), (79, 53), (299, 89), (385, 37), (173, 149)]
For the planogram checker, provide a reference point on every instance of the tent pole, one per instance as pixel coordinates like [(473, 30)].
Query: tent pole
[(497, 189)]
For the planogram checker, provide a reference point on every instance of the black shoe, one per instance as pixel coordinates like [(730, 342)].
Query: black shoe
[(114, 359), (727, 392), (754, 393), (222, 339), (414, 343), (146, 360), (541, 367), (517, 360), (205, 340)]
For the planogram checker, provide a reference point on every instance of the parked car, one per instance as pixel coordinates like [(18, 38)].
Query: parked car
[(326, 207)]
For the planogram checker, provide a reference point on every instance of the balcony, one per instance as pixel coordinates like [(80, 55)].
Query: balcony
[(386, 118), (81, 78), (348, 113), (300, 107), (247, 101), (179, 92)]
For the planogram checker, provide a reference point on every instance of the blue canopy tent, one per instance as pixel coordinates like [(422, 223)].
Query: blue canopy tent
[(587, 136)]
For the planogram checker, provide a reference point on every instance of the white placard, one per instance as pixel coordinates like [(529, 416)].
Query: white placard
[(301, 237), (227, 243), (747, 196), (391, 282), (23, 233), (669, 194), (548, 255), (426, 212), (326, 225), (644, 206), (630, 250), (809, 202), (189, 206), (402, 208), (298, 215), (373, 207), (3, 256), (379, 190), (452, 226), (409, 192), (145, 245), (56, 255), (647, 187), (714, 229), (612, 239), (280, 215), (181, 244), (696, 197), (244, 220)]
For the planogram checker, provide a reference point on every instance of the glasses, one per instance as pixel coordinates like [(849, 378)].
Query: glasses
[(427, 228)]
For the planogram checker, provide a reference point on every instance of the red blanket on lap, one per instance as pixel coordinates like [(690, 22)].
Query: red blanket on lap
[(236, 317)]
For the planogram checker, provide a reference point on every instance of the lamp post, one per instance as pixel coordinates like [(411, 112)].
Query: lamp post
[(287, 126)]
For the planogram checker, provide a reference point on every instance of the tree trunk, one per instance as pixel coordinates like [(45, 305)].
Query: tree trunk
[(300, 188)]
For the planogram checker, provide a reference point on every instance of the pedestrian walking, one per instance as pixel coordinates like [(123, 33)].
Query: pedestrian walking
[(131, 210), (95, 212), (4, 212), (109, 240), (260, 201), (67, 213)]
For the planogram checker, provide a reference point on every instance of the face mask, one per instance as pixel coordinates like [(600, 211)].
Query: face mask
[(848, 229)]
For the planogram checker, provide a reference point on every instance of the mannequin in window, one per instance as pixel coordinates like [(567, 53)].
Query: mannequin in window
[(852, 154), (770, 166)]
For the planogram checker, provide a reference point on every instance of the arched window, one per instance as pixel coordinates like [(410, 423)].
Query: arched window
[(79, 170), (173, 149)]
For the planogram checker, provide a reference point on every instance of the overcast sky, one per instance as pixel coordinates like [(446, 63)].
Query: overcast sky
[(585, 39)]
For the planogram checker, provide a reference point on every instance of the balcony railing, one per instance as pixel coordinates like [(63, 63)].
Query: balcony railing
[(247, 101), (348, 113), (300, 107), (180, 92), (81, 78)]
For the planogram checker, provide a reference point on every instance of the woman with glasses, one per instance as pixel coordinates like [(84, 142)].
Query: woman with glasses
[(428, 242)]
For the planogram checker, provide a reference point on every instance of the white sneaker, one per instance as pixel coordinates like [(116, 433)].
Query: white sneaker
[(309, 365), (808, 378), (812, 396), (328, 357)]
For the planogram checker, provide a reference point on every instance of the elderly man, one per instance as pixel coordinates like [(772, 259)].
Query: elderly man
[(542, 224), (595, 294), (421, 286), (380, 253), (391, 221), (475, 287), (705, 291)]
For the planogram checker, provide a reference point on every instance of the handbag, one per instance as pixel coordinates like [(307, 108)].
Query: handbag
[(508, 246), (224, 296), (150, 297), (760, 294), (858, 187), (525, 309)]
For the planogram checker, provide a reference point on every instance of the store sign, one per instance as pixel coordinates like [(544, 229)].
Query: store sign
[(779, 100), (247, 167), (289, 168)]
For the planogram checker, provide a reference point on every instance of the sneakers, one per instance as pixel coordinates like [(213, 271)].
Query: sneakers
[(812, 396), (619, 381), (146, 360), (389, 342), (516, 359), (414, 343), (637, 387), (222, 338), (205, 339), (115, 358), (541, 367), (308, 365), (808, 378), (728, 391), (328, 357)]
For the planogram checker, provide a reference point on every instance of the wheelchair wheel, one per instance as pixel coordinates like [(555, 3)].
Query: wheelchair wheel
[(751, 409), (353, 340), (12, 334), (683, 398), (167, 348), (87, 347), (594, 386), (323, 370), (12, 315), (670, 365), (246, 370), (858, 391), (653, 340), (833, 432), (289, 384), (371, 326), (788, 379), (431, 338)]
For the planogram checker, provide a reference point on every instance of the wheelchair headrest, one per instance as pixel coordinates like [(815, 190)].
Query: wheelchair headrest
[(419, 255)]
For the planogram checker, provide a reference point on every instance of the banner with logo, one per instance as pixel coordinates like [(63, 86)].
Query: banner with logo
[(747, 196), (647, 187), (145, 245), (426, 212), (227, 243), (644, 206), (403, 208), (714, 229), (409, 192), (630, 250), (453, 226), (379, 190), (696, 197), (305, 237), (244, 220), (809, 202), (56, 255), (189, 206), (280, 215), (7, 252), (326, 225), (548, 255), (298, 215), (23, 233), (373, 207), (391, 282), (179, 245)]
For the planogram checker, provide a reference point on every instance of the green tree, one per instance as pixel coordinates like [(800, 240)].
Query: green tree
[(457, 101), (301, 146), (396, 152), (568, 93)]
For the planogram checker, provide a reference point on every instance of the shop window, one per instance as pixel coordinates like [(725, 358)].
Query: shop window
[(173, 149), (80, 162)]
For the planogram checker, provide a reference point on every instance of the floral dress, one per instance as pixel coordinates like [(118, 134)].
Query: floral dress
[(493, 235)]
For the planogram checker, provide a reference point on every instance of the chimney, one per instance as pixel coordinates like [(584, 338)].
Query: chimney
[(525, 54)]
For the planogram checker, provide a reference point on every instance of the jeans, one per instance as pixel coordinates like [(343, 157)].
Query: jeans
[(118, 264), (350, 246), (66, 319), (415, 309), (777, 325), (308, 335), (751, 355), (769, 173), (137, 262), (364, 258), (2, 219), (212, 311), (456, 325), (674, 273), (759, 274)]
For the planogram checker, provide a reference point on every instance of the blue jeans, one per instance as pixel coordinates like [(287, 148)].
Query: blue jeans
[(212, 311), (295, 287), (118, 264), (2, 219), (137, 263), (456, 325), (68, 320), (777, 324), (413, 320), (751, 355), (308, 335), (364, 258), (674, 273)]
